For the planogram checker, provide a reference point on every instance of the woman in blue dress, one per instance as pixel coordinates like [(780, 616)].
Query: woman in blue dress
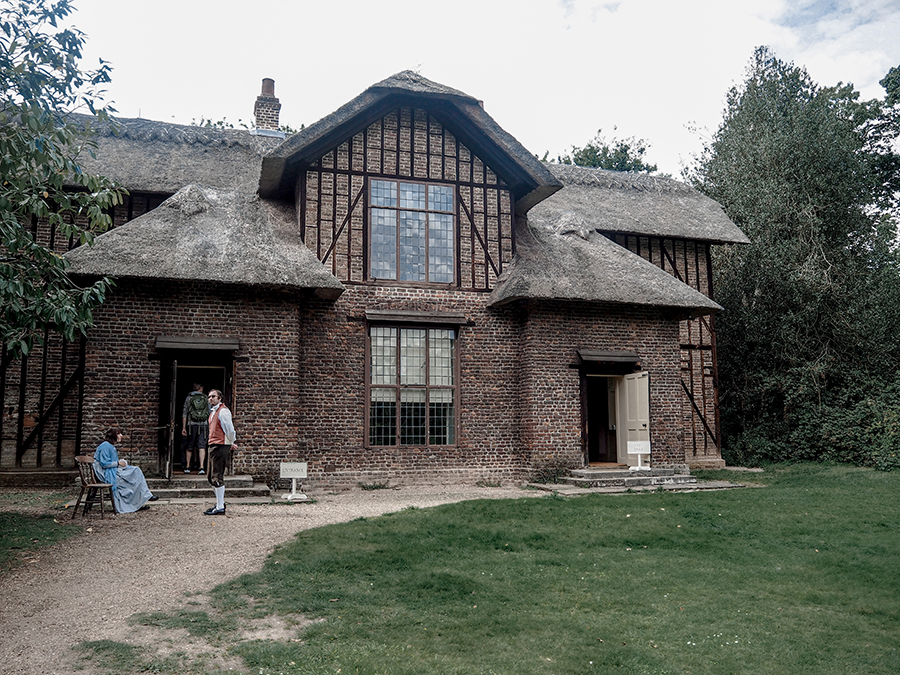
[(129, 487)]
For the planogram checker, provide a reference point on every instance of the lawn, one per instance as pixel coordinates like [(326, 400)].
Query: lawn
[(24, 533), (799, 576)]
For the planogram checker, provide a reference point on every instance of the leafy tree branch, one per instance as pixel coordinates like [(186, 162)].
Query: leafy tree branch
[(43, 186)]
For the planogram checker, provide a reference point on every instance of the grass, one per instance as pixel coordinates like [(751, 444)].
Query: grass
[(802, 576), (22, 534)]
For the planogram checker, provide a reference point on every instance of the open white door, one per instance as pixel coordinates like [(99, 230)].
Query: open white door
[(633, 414)]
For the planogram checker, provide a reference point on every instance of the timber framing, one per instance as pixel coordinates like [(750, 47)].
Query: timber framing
[(413, 144)]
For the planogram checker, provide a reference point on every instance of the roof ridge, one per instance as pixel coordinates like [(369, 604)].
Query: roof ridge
[(572, 174)]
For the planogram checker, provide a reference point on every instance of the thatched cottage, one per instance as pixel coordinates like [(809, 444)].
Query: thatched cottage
[(398, 292)]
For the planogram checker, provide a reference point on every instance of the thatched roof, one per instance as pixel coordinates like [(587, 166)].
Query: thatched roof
[(464, 115), (638, 204), (211, 234), (566, 258), (149, 156)]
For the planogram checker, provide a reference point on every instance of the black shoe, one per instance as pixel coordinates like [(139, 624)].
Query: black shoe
[(144, 508), (154, 498), (214, 511)]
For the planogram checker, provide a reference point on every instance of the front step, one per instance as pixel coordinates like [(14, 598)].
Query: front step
[(608, 478), (193, 486)]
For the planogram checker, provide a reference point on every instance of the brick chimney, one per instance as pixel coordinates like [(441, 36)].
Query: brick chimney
[(267, 107)]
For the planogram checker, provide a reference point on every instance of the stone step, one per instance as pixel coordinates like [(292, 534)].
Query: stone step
[(196, 487), (590, 473), (629, 479), (195, 481), (257, 490)]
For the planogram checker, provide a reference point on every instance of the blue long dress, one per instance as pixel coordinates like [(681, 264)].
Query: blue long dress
[(129, 487)]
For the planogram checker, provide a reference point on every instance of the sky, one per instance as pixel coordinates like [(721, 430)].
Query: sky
[(550, 72)]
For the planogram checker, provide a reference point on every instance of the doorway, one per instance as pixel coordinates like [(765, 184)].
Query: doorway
[(600, 419), (615, 404), (180, 370)]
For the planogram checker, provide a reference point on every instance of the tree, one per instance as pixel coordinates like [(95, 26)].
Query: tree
[(618, 154), (42, 84), (808, 341), (886, 129)]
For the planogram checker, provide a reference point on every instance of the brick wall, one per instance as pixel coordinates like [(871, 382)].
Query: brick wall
[(332, 393), (299, 391), (123, 379), (551, 403)]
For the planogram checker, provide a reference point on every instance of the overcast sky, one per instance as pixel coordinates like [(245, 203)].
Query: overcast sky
[(550, 72)]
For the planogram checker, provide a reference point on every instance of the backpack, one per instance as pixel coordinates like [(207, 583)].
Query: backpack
[(198, 408)]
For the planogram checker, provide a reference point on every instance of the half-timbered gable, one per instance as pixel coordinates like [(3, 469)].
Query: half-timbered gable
[(459, 212)]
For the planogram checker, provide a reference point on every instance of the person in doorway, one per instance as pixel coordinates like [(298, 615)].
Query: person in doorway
[(129, 487), (221, 442), (194, 428)]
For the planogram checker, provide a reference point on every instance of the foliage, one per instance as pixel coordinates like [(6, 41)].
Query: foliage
[(223, 123), (617, 154), (40, 144), (886, 128), (810, 336), (632, 584)]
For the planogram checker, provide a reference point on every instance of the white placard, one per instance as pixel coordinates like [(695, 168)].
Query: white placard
[(638, 447), (296, 469)]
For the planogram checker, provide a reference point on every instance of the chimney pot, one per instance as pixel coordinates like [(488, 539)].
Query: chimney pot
[(268, 86)]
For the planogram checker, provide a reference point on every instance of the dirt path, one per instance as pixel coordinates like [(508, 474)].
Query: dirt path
[(86, 588)]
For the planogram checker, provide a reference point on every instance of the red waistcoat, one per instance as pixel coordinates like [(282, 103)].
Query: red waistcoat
[(216, 435)]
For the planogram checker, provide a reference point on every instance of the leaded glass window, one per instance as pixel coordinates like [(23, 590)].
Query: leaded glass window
[(412, 231), (412, 386)]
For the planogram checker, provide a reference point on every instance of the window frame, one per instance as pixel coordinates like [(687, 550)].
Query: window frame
[(453, 239), (398, 387)]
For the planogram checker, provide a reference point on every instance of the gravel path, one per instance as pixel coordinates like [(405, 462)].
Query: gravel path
[(87, 587)]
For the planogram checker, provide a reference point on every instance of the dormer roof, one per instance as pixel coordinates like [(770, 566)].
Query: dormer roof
[(210, 234), (563, 257), (528, 179), (634, 203)]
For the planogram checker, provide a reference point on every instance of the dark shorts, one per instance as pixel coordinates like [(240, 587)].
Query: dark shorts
[(197, 435), (218, 460)]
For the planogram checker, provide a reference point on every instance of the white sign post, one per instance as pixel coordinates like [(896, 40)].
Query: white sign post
[(639, 448), (294, 470)]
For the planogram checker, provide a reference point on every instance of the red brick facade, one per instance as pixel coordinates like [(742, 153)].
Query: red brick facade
[(299, 381), (127, 375)]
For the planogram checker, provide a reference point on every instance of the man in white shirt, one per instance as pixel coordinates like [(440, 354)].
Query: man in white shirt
[(221, 442)]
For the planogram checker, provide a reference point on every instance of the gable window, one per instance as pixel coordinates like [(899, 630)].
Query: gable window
[(412, 386), (412, 227)]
